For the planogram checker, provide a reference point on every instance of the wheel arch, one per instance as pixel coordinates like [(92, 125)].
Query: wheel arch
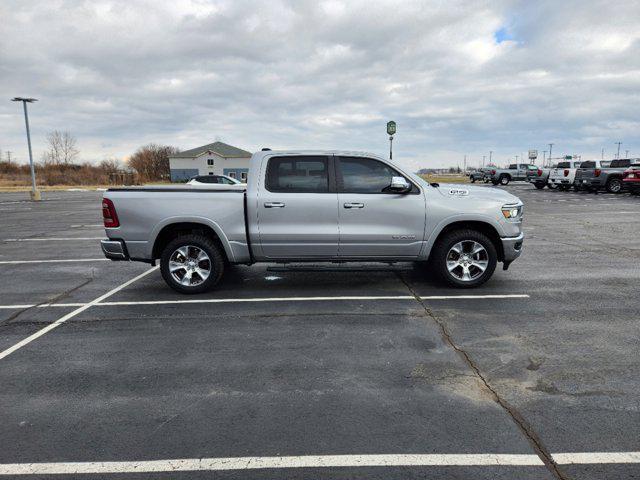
[(169, 230), (481, 226)]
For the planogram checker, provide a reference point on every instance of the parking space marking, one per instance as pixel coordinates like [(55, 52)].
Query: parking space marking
[(315, 461), (67, 260), (50, 239), (581, 458), (270, 299), (72, 314)]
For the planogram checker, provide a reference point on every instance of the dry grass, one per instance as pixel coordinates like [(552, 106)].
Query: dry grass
[(446, 178)]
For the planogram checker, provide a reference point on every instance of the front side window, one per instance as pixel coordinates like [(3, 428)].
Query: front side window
[(365, 175), (303, 174)]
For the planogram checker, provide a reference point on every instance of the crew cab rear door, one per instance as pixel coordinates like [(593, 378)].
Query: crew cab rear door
[(374, 222), (298, 208)]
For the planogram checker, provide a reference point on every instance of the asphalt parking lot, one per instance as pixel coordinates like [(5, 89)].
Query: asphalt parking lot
[(349, 374)]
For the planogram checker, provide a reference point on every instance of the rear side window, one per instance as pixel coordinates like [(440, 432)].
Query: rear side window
[(588, 164), (564, 165), (303, 174), (620, 163), (365, 175), (513, 166)]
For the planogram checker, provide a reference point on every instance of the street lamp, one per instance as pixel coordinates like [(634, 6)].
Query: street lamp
[(35, 193)]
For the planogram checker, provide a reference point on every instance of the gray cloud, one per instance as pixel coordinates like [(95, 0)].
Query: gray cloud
[(294, 74)]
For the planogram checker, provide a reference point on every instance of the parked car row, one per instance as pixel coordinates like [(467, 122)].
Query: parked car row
[(612, 176), (502, 176)]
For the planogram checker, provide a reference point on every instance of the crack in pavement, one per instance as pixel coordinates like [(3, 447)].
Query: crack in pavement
[(520, 421), (55, 299)]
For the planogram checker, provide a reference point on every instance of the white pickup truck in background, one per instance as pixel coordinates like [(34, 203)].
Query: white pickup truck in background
[(563, 175)]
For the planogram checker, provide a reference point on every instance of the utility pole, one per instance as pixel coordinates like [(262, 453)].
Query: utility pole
[(490, 154), (550, 149), (618, 154), (35, 193), (465, 164), (483, 157), (602, 154), (626, 154), (544, 158), (9, 157)]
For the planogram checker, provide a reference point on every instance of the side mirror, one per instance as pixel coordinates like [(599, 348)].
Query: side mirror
[(399, 185)]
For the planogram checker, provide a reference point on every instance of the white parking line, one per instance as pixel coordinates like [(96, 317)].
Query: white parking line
[(269, 299), (72, 314), (578, 458), (67, 260), (314, 461), (50, 239)]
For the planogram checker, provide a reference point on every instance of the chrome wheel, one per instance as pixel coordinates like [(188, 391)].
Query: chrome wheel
[(189, 265), (467, 260)]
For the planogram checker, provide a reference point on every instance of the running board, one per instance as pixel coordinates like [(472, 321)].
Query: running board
[(331, 268)]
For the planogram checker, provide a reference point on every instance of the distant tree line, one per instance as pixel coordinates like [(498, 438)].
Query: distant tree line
[(60, 165)]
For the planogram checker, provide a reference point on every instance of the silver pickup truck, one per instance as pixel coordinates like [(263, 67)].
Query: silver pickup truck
[(319, 207)]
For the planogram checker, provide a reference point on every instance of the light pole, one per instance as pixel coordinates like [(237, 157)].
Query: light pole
[(490, 155), (544, 158), (618, 154), (35, 193), (550, 148), (626, 154)]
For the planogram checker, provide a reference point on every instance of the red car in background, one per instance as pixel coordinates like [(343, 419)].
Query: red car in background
[(631, 178)]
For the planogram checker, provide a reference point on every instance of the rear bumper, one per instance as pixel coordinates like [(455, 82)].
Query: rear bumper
[(114, 249), (512, 247)]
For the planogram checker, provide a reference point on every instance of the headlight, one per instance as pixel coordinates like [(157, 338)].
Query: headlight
[(512, 212)]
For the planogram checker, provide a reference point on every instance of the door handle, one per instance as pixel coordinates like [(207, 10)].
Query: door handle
[(354, 205), (273, 205)]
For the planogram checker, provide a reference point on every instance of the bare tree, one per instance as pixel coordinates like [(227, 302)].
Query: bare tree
[(151, 162), (110, 165), (61, 148)]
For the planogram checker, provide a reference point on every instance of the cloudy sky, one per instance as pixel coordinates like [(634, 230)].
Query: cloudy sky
[(459, 78)]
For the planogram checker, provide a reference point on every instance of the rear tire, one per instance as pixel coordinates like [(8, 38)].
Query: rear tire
[(472, 179), (191, 264), (539, 186), (454, 262), (614, 185), (552, 186)]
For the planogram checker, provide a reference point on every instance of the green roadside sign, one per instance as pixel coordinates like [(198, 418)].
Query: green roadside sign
[(391, 127)]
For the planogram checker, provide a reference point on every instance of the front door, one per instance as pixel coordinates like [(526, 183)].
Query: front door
[(374, 222), (298, 208)]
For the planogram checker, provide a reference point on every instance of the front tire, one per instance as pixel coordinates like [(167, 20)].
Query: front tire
[(191, 264), (464, 258), (472, 179), (504, 180)]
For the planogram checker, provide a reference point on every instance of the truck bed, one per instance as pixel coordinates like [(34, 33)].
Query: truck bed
[(144, 211)]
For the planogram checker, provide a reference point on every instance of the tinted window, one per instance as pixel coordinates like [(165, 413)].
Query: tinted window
[(513, 167), (620, 163), (564, 165), (298, 174), (588, 165), (207, 179), (365, 175)]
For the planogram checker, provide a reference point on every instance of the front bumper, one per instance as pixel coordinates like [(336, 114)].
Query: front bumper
[(114, 249), (512, 247)]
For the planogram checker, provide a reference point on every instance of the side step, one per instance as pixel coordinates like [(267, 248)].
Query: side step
[(335, 268)]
